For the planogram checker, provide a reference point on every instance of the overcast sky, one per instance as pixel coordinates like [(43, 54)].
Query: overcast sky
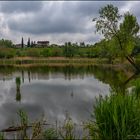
[(55, 21)]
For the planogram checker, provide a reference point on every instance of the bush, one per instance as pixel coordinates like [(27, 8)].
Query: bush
[(46, 52), (33, 52), (117, 117), (50, 134), (7, 52)]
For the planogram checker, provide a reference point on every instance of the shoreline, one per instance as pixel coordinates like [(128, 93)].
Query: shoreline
[(23, 62), (29, 61)]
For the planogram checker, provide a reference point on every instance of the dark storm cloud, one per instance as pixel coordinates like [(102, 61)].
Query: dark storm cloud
[(42, 25), (50, 18), (68, 17), (22, 6)]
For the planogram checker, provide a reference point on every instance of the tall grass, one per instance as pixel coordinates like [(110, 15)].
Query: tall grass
[(116, 117)]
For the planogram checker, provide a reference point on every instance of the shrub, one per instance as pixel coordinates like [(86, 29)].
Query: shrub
[(46, 52), (116, 117), (50, 134), (33, 52), (7, 52)]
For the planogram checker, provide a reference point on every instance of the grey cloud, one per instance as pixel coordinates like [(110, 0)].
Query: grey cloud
[(91, 8), (21, 6), (42, 25), (68, 17), (53, 18)]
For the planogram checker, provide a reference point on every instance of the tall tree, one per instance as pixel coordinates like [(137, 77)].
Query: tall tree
[(108, 25), (22, 43), (28, 43), (32, 44)]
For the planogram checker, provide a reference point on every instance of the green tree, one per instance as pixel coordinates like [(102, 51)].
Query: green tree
[(46, 52), (22, 43), (108, 25), (136, 49), (69, 50), (6, 43), (28, 43)]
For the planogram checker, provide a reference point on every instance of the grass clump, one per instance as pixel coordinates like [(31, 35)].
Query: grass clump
[(116, 117), (50, 134), (67, 131)]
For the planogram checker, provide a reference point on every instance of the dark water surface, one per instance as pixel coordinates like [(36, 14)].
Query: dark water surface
[(53, 92)]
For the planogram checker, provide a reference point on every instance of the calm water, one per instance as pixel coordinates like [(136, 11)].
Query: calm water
[(53, 91)]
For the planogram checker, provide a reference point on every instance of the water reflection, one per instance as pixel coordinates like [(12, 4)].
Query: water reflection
[(18, 94), (22, 76), (53, 91)]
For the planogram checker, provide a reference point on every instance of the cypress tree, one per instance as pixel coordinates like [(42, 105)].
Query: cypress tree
[(28, 43), (22, 43)]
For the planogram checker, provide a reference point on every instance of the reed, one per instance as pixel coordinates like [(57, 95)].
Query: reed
[(116, 117)]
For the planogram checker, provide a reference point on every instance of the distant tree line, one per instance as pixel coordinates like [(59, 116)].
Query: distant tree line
[(107, 49)]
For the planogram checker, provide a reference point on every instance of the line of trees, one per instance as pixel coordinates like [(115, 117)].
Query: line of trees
[(108, 49)]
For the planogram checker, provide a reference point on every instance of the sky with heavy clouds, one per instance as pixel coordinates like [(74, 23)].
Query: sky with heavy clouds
[(55, 21)]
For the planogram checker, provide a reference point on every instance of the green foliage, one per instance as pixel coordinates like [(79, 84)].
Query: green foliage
[(50, 134), (2, 136), (37, 130), (116, 117), (6, 43), (23, 123), (107, 23), (56, 51), (136, 50), (23, 117), (68, 130), (7, 52), (124, 33), (33, 52), (46, 52), (128, 30), (69, 51)]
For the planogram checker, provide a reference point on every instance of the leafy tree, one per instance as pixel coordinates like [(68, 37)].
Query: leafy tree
[(46, 52), (108, 25), (69, 50), (136, 49), (6, 43)]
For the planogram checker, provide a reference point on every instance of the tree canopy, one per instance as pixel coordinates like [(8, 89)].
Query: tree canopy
[(109, 24)]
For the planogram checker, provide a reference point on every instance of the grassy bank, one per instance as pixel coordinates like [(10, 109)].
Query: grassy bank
[(50, 60), (58, 61)]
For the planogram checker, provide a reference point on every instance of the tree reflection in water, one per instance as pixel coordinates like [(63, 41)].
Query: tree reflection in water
[(18, 94)]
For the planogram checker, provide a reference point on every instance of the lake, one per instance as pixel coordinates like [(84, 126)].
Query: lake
[(54, 91)]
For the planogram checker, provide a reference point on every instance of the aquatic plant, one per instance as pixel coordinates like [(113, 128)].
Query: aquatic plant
[(116, 116)]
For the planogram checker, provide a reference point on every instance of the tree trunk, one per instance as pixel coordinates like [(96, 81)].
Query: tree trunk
[(130, 59)]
